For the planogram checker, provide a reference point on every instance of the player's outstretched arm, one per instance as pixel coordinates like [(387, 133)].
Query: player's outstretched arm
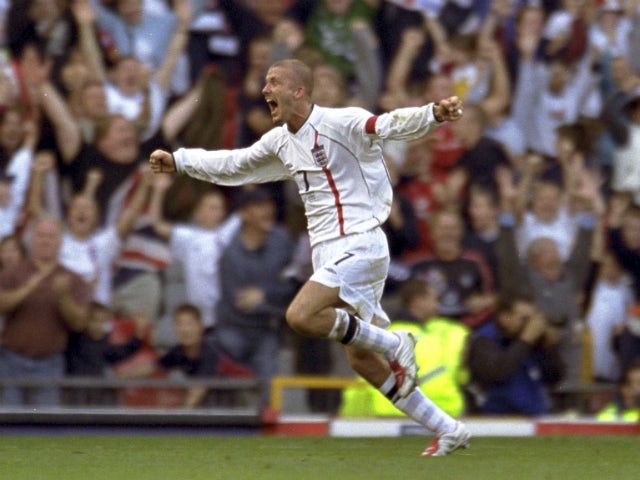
[(162, 161)]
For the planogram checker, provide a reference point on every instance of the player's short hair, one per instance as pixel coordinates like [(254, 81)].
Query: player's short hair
[(302, 75)]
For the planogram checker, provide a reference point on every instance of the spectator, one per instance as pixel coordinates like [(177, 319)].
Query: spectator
[(623, 123), (481, 158), (627, 341), (342, 32), (509, 24), (620, 83), (193, 356), (606, 311), (402, 226), (609, 31), (481, 234), (12, 252), (89, 353), (402, 86), (91, 108), (556, 285), (623, 236), (626, 405), (514, 359), (17, 146), (86, 249), (542, 209), (197, 245), (199, 117), (248, 21), (556, 90), (403, 90), (425, 192), (564, 36), (136, 31), (116, 154), (212, 42), (393, 20), (46, 22), (460, 277), (42, 302), (254, 295), (255, 119), (135, 88)]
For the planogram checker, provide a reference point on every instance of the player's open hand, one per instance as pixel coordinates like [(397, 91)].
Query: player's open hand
[(448, 109), (162, 162)]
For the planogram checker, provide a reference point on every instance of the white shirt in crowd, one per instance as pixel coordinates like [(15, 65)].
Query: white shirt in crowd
[(198, 250), (19, 168), (93, 259)]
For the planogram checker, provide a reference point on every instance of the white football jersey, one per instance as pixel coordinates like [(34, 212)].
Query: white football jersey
[(335, 158)]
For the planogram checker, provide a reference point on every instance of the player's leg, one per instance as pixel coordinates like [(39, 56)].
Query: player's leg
[(313, 313), (341, 301), (450, 433)]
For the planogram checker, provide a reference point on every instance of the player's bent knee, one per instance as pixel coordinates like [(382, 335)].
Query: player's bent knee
[(297, 319)]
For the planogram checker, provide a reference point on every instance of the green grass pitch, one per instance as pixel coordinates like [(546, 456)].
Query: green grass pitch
[(309, 458)]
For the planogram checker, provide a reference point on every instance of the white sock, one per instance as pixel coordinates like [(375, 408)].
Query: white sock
[(351, 330), (419, 407)]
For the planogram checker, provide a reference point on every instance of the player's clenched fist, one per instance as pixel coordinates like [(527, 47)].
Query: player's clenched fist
[(448, 109), (162, 162)]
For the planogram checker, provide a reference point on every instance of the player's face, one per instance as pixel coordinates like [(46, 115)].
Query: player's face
[(278, 92)]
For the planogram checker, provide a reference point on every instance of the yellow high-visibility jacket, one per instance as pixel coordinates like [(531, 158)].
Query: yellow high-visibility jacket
[(613, 413), (441, 371)]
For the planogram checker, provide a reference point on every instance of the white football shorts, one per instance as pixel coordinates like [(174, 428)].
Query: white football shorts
[(357, 264)]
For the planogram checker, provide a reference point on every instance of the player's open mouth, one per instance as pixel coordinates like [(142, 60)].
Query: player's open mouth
[(273, 105)]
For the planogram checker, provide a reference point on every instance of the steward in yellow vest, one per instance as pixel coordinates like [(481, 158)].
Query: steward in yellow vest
[(626, 407)]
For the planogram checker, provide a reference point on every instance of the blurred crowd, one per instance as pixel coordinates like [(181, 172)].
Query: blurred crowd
[(520, 223)]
